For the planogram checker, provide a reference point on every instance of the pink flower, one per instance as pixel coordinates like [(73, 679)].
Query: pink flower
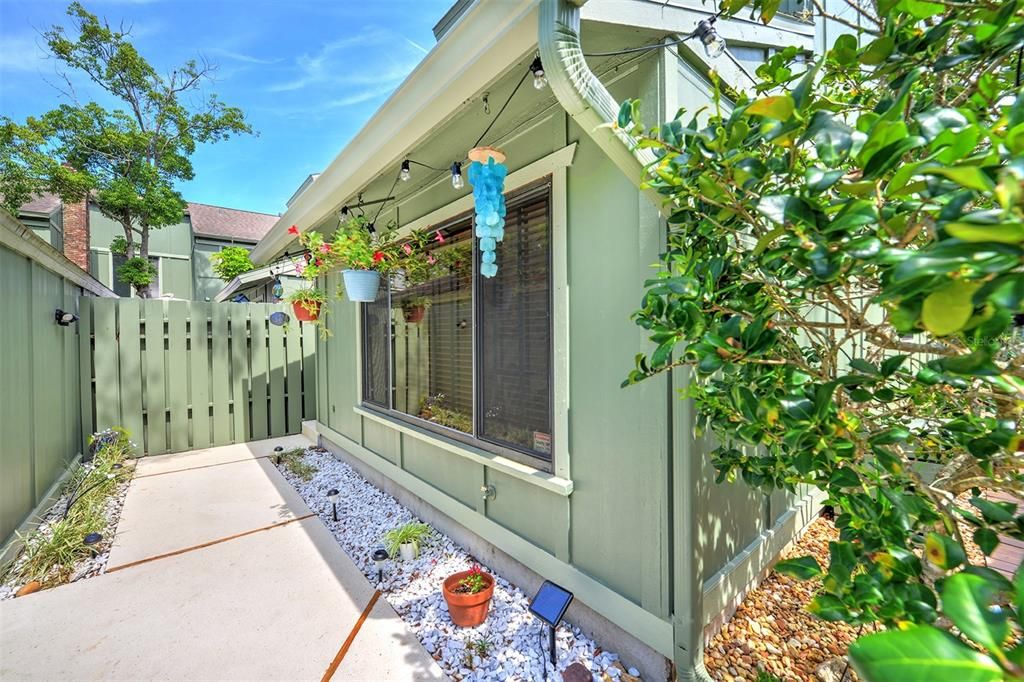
[(438, 236), (431, 259), (407, 248), (325, 248), (293, 229)]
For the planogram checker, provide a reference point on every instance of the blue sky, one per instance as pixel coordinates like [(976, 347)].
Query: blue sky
[(308, 74)]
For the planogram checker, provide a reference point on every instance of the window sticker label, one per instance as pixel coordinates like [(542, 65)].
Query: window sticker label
[(542, 442)]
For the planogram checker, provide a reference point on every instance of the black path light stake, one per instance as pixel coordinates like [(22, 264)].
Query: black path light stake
[(82, 494), (90, 540), (380, 556), (549, 604), (332, 496), (277, 455)]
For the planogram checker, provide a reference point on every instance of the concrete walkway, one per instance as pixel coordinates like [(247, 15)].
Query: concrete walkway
[(218, 571)]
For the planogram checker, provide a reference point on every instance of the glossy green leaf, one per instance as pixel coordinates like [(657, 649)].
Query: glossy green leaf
[(778, 107), (970, 177), (943, 551), (947, 310), (920, 654), (972, 603), (801, 568), (786, 210), (1005, 232)]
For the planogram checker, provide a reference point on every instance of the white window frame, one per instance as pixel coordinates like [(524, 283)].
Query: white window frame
[(558, 480)]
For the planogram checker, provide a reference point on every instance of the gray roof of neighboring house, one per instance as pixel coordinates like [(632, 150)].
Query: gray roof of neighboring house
[(229, 223), (42, 203)]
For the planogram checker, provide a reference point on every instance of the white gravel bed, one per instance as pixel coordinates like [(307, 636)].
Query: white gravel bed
[(517, 639), (89, 566)]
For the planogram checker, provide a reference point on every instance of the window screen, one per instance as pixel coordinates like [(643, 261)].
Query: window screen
[(376, 350)]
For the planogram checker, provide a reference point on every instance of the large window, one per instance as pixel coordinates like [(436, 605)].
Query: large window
[(466, 355)]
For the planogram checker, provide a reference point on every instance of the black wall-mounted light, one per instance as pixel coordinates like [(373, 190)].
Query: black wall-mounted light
[(64, 319)]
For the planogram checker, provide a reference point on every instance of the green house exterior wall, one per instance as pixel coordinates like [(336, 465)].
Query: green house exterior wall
[(617, 539)]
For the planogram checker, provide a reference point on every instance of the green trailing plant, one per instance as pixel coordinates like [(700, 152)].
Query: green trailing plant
[(411, 533), (230, 262), (51, 552), (310, 298), (126, 159), (844, 264)]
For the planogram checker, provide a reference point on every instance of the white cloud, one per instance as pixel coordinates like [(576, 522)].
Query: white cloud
[(21, 53), (239, 56)]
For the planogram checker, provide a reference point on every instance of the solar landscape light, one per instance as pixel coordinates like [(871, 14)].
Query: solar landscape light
[(549, 604), (277, 454), (332, 496), (90, 540), (380, 557)]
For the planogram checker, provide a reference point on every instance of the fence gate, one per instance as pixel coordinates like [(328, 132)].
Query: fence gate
[(180, 375)]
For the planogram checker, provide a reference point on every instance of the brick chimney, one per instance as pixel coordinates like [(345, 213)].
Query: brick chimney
[(76, 233)]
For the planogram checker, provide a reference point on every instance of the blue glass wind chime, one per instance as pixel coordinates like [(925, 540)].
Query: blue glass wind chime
[(487, 175)]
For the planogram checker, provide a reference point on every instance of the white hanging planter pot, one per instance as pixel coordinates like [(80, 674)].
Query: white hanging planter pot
[(361, 285), (407, 551), (487, 175)]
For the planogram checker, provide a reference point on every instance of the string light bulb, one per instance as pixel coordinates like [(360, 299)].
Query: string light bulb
[(714, 46), (405, 173), (457, 181), (540, 81)]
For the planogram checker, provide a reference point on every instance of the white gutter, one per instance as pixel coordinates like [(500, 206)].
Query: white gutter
[(590, 104), (485, 41)]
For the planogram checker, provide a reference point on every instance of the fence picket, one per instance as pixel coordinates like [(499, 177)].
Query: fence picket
[(240, 379), (293, 377), (155, 371), (258, 351), (85, 355), (199, 367), (220, 363), (130, 352), (105, 359), (177, 376), (276, 358)]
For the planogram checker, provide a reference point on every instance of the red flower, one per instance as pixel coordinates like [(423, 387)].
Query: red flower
[(293, 229), (378, 256), (325, 248), (438, 236), (319, 262)]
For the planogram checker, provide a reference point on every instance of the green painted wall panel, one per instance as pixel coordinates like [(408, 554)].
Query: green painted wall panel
[(383, 440), (176, 278), (458, 477), (173, 239), (47, 379), (528, 511)]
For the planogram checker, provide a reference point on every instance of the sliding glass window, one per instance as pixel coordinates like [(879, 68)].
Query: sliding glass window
[(465, 355)]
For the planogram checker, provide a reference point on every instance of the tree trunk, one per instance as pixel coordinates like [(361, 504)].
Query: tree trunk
[(144, 291)]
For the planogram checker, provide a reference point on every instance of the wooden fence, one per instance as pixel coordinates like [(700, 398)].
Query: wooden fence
[(180, 375)]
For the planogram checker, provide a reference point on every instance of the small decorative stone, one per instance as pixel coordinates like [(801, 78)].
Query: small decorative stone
[(29, 588)]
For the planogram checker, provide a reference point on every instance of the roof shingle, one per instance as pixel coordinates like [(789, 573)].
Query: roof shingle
[(230, 223)]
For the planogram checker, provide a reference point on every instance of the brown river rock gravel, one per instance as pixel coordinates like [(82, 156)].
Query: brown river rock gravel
[(772, 631)]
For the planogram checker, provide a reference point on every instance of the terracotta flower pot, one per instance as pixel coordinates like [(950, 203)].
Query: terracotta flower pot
[(467, 610), (304, 314), (414, 314)]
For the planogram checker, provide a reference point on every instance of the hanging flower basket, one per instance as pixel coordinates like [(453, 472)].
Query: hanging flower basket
[(468, 609), (306, 312), (487, 174), (361, 285), (414, 314)]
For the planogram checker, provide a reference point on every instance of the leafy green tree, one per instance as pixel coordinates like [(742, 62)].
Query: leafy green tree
[(230, 262), (128, 158), (843, 283)]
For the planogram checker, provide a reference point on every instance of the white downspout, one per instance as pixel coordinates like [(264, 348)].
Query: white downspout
[(590, 104)]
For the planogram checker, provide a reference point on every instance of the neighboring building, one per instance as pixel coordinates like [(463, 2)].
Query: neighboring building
[(180, 252), (496, 413)]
